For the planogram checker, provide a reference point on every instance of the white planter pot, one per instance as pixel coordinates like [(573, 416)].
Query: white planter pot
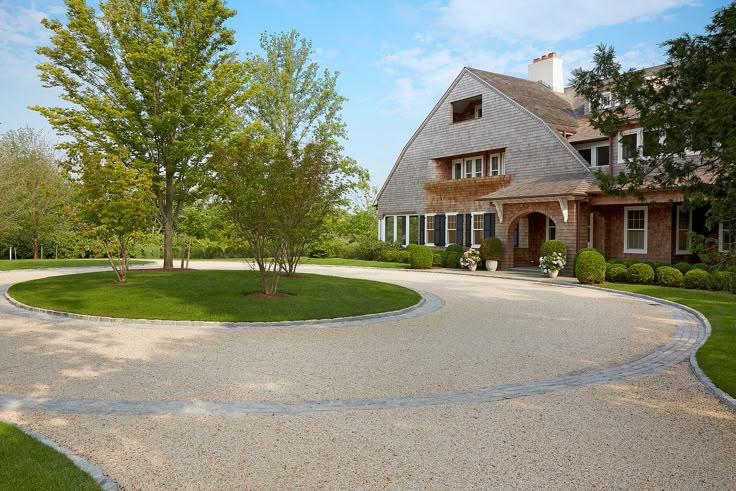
[(491, 265), (472, 267), (552, 274)]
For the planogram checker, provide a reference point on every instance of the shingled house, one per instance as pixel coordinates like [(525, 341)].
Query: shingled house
[(513, 158)]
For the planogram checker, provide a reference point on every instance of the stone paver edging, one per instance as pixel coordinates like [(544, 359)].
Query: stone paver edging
[(104, 481), (427, 304), (690, 334)]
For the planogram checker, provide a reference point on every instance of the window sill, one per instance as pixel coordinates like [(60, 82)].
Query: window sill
[(635, 251)]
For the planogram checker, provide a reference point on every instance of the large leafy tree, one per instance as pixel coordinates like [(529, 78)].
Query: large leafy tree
[(297, 107), (153, 80), (687, 109), (31, 186)]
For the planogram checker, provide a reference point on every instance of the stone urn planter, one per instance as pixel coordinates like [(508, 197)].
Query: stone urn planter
[(552, 274), (491, 265), (472, 267)]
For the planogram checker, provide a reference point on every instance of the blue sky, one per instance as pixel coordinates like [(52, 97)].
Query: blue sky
[(396, 58)]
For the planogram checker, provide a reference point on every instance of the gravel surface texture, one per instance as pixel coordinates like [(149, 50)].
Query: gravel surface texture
[(653, 432)]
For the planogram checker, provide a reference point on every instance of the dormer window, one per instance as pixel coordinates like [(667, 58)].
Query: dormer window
[(467, 168), (467, 109), (604, 100)]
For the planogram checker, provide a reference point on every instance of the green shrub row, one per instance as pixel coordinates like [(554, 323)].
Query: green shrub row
[(669, 275)]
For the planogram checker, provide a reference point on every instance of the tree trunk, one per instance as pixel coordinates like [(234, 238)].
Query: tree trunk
[(35, 248), (189, 250), (167, 210), (183, 247)]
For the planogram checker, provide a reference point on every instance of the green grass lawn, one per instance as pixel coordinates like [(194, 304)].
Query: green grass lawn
[(27, 464), (212, 295), (7, 265), (329, 261), (717, 357)]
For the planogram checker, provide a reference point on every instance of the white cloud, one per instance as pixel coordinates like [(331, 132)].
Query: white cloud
[(538, 20)]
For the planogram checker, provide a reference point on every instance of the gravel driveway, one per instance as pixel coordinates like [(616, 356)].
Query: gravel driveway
[(657, 430)]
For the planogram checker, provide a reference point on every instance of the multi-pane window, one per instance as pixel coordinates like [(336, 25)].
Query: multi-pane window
[(602, 156), (551, 229), (457, 169), (401, 229), (650, 143), (635, 229), (684, 226), (413, 229), (451, 229), (389, 228), (496, 164), (477, 229), (429, 230), (629, 146), (726, 239)]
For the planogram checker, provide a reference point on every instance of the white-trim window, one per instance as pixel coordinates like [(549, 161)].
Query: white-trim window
[(635, 229), (636, 142), (478, 111), (726, 239), (473, 167), (684, 228), (550, 228), (496, 164), (477, 224), (429, 229), (451, 229), (596, 154), (457, 169)]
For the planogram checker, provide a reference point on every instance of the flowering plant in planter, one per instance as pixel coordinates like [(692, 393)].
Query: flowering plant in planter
[(470, 259), (552, 263)]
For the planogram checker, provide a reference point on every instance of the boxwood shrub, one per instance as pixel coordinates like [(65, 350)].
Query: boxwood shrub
[(696, 278), (702, 266), (455, 248), (640, 273), (421, 257), (453, 259), (437, 259), (718, 280), (617, 272), (551, 246), (683, 267), (629, 262), (590, 267), (490, 248), (669, 276)]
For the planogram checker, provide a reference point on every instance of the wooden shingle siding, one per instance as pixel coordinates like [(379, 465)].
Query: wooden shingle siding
[(531, 148)]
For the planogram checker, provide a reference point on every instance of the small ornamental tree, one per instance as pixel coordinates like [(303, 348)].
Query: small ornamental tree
[(114, 202)]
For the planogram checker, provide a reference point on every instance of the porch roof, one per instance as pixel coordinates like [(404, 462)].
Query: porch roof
[(552, 186)]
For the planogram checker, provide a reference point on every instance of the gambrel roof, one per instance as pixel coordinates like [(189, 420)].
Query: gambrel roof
[(552, 108)]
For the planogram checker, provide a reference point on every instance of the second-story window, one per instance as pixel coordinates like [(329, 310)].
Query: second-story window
[(467, 167), (496, 164)]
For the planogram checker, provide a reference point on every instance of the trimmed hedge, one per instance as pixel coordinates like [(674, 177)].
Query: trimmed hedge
[(491, 249), (617, 272), (437, 259), (669, 276), (683, 267), (551, 246), (421, 257), (453, 259), (455, 248), (640, 273), (696, 278), (702, 266), (718, 280), (590, 267)]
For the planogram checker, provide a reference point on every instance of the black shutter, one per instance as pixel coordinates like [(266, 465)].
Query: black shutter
[(468, 230), (405, 237), (458, 239), (487, 219), (422, 239), (439, 230)]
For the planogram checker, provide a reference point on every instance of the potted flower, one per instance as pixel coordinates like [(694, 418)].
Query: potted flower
[(551, 264), (490, 252), (470, 259)]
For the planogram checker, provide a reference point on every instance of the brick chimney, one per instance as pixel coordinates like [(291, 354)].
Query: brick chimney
[(548, 70)]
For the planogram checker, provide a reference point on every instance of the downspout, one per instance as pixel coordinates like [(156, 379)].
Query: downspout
[(610, 156)]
